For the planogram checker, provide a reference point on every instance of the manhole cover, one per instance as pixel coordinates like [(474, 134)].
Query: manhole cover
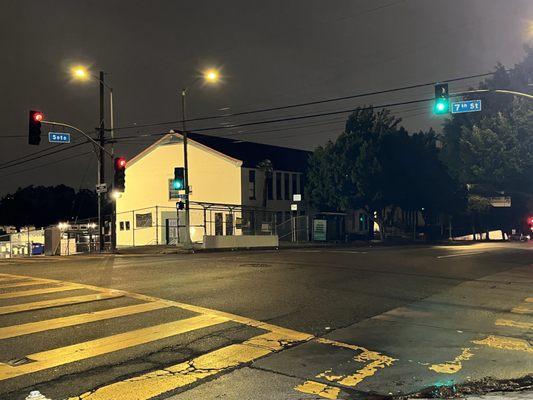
[(255, 265)]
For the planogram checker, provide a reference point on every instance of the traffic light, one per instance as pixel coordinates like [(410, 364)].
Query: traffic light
[(34, 127), (119, 183), (179, 179), (180, 205), (442, 99)]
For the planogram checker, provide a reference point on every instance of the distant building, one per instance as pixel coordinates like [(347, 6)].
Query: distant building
[(232, 189)]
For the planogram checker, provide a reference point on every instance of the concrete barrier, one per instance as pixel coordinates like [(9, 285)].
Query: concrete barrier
[(240, 241)]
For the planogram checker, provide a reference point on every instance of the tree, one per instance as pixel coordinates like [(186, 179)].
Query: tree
[(44, 205), (492, 151), (376, 165)]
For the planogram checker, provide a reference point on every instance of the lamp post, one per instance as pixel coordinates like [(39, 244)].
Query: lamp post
[(81, 73), (210, 76)]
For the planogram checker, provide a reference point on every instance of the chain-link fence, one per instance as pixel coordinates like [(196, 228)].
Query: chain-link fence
[(163, 225)]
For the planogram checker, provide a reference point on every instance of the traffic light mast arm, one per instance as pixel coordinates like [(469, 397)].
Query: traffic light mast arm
[(80, 131), (519, 94)]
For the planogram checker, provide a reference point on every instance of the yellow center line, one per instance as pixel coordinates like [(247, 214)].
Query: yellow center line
[(156, 383), (81, 351), (65, 287), (56, 323), (58, 302)]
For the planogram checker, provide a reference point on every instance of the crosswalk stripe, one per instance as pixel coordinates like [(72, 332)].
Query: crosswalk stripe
[(58, 302), (522, 310), (36, 292), (56, 323), (9, 278), (183, 374), (514, 324), (81, 351), (19, 284)]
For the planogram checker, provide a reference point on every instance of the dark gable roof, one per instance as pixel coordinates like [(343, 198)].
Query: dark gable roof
[(251, 153)]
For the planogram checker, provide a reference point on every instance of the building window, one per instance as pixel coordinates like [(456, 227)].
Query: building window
[(286, 187), (229, 224), (295, 184), (302, 185), (143, 220), (270, 187), (278, 186), (251, 184), (219, 224), (121, 225), (127, 225)]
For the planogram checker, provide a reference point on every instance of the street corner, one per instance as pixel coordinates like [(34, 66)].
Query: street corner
[(250, 383), (327, 368)]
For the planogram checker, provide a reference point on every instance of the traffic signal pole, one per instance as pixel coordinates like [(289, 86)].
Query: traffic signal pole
[(186, 166), (101, 166)]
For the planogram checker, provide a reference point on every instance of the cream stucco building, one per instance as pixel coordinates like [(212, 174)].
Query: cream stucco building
[(233, 191)]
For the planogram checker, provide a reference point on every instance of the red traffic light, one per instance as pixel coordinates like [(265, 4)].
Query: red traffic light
[(120, 163), (38, 116)]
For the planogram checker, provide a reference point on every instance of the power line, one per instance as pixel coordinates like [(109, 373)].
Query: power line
[(46, 164), (310, 103), (22, 161)]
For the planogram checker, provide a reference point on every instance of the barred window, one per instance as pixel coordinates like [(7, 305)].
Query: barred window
[(143, 220)]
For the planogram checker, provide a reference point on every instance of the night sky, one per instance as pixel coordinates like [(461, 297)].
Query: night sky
[(270, 53)]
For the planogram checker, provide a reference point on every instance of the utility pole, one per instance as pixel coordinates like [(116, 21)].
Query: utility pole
[(101, 166), (114, 201), (186, 167)]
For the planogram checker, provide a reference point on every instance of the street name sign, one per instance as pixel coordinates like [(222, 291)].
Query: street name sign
[(58, 137), (459, 107)]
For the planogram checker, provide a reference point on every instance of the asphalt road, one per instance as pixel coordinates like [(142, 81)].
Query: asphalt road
[(289, 324)]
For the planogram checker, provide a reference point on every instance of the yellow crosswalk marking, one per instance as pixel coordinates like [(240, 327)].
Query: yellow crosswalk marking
[(514, 324), (56, 323), (9, 278), (81, 351), (522, 310), (58, 302), (158, 382), (506, 343), (19, 284), (35, 292)]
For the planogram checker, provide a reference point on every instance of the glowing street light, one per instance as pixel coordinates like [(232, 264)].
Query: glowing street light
[(79, 72), (211, 76)]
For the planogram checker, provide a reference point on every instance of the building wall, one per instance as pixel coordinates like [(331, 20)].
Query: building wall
[(213, 177), (282, 194)]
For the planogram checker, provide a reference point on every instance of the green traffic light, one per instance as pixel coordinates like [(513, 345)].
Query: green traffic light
[(442, 106), (177, 184)]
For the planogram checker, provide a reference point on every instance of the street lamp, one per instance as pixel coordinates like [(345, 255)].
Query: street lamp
[(210, 76), (81, 73)]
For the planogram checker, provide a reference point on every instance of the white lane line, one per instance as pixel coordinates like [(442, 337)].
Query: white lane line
[(462, 254)]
